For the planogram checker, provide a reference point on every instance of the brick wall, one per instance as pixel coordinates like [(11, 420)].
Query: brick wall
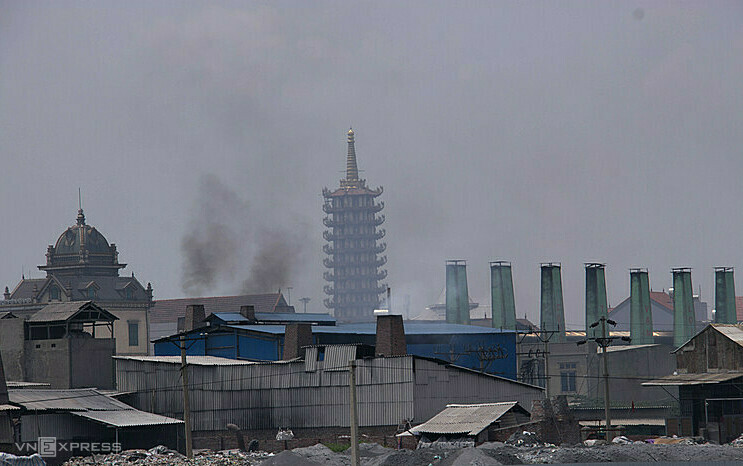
[(296, 336), (390, 336)]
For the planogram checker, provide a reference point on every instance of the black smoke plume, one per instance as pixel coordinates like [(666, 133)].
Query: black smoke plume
[(227, 248)]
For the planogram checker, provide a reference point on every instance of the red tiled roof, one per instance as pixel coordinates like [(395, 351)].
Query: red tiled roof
[(662, 298), (169, 310)]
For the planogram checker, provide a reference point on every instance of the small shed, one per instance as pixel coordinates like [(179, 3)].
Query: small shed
[(473, 423), (87, 415)]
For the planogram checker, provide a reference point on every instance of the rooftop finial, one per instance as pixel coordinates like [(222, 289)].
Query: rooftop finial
[(80, 215), (352, 170)]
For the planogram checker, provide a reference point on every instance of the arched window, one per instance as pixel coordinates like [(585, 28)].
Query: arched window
[(54, 293)]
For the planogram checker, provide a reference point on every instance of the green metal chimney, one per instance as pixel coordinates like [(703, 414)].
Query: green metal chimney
[(684, 321), (501, 296), (551, 308), (596, 306), (725, 312), (457, 295), (463, 294), (641, 316)]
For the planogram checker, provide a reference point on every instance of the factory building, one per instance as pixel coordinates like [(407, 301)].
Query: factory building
[(309, 395), (168, 316), (352, 246), (479, 348)]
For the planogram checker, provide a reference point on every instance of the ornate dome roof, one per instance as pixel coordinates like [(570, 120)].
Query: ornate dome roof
[(80, 236), (81, 249)]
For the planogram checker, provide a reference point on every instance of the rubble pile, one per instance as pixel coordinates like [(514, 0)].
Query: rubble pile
[(522, 448), (161, 455), (524, 439), (737, 442)]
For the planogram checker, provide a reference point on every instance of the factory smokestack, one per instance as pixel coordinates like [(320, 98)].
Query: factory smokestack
[(457, 295), (596, 306), (725, 296), (501, 296), (552, 311), (683, 306), (641, 317)]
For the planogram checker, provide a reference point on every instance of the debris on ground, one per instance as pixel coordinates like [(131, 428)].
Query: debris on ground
[(524, 439), (162, 455), (529, 451), (621, 440), (13, 460)]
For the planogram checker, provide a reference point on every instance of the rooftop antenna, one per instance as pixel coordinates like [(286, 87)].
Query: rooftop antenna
[(79, 198)]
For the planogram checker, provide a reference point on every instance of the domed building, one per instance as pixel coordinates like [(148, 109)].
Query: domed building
[(83, 266)]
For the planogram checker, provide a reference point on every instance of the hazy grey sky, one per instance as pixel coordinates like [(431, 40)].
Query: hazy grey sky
[(527, 131)]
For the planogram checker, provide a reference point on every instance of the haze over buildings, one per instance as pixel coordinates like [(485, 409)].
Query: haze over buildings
[(529, 131)]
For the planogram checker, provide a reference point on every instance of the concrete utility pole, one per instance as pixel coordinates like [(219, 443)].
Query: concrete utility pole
[(354, 416), (604, 341), (186, 404), (607, 410)]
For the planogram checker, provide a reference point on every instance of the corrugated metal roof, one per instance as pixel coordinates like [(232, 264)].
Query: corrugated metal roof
[(127, 418), (60, 312), (465, 419), (694, 379), (191, 360), (9, 408), (17, 384), (614, 349), (626, 422), (413, 328), (84, 399), (731, 331)]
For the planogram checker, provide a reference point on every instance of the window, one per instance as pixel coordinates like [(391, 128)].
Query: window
[(133, 333), (129, 293), (54, 293), (91, 293), (567, 376)]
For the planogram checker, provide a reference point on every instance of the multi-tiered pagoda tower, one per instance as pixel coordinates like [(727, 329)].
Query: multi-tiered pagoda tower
[(352, 245)]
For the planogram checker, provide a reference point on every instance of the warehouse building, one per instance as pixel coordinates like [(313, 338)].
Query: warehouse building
[(479, 348), (310, 395)]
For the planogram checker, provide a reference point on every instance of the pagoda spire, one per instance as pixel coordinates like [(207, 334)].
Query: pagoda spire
[(352, 170)]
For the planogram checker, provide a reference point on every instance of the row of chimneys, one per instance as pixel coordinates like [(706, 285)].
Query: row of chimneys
[(552, 313), (390, 336)]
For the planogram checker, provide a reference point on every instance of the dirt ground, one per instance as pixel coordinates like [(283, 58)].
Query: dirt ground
[(485, 454)]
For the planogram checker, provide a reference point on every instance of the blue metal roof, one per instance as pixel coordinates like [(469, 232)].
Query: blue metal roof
[(272, 329), (411, 328), (276, 317)]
